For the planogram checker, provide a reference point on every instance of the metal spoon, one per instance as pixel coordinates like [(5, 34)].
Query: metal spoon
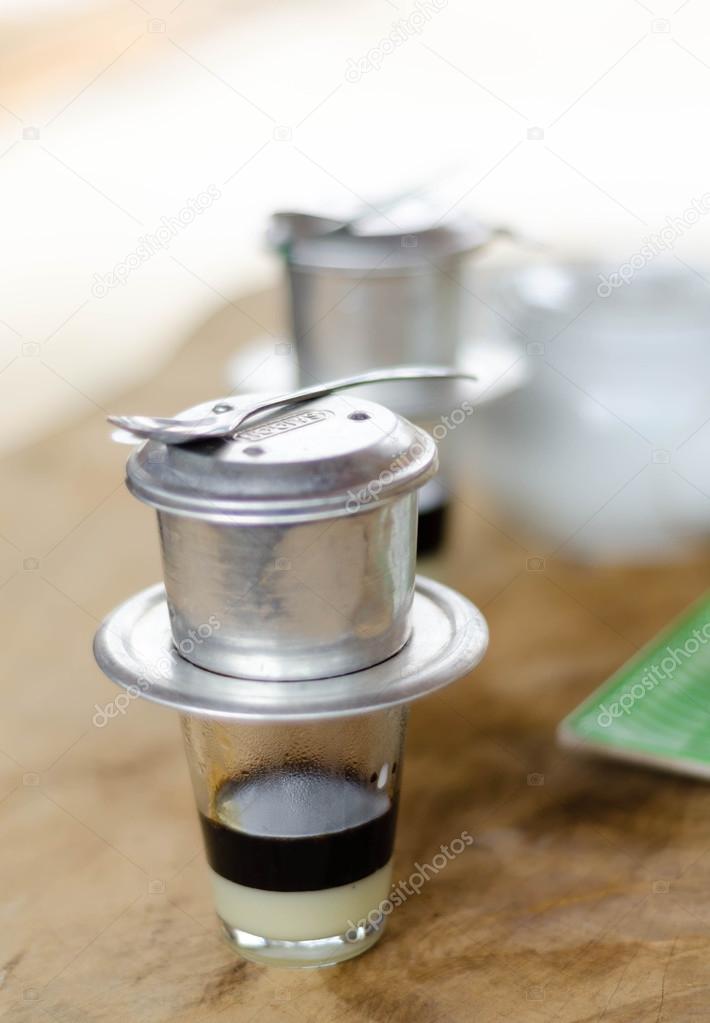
[(226, 420)]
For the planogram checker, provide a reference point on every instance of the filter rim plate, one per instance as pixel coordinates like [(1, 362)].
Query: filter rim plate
[(134, 648)]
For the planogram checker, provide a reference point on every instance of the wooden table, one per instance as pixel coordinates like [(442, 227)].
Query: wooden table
[(584, 897)]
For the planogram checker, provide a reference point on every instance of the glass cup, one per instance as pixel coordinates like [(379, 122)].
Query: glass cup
[(298, 820)]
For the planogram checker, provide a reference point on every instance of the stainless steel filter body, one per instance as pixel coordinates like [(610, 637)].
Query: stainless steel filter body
[(377, 291), (379, 317), (289, 550), (305, 600)]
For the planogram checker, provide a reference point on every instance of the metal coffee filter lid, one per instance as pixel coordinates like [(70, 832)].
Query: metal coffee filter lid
[(409, 234), (328, 457)]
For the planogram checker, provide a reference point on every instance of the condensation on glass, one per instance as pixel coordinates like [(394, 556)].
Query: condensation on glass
[(299, 822)]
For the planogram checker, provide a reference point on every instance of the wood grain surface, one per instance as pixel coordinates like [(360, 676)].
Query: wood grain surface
[(584, 897)]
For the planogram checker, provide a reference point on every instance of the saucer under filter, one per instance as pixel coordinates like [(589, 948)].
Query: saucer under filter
[(135, 648)]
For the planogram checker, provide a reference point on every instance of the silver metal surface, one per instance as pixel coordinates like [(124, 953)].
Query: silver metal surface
[(299, 600), (326, 458), (290, 548), (410, 236), (383, 289), (224, 419), (134, 647), (342, 321)]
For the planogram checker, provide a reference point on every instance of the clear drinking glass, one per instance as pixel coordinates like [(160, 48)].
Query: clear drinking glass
[(299, 822)]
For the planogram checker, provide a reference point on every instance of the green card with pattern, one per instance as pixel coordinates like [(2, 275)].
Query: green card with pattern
[(656, 709)]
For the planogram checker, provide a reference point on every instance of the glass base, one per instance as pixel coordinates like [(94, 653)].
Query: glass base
[(305, 954)]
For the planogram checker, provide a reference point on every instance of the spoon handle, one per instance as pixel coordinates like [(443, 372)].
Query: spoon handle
[(227, 422), (376, 376)]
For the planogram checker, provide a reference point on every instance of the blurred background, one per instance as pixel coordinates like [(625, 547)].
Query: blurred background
[(519, 189), (144, 147)]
